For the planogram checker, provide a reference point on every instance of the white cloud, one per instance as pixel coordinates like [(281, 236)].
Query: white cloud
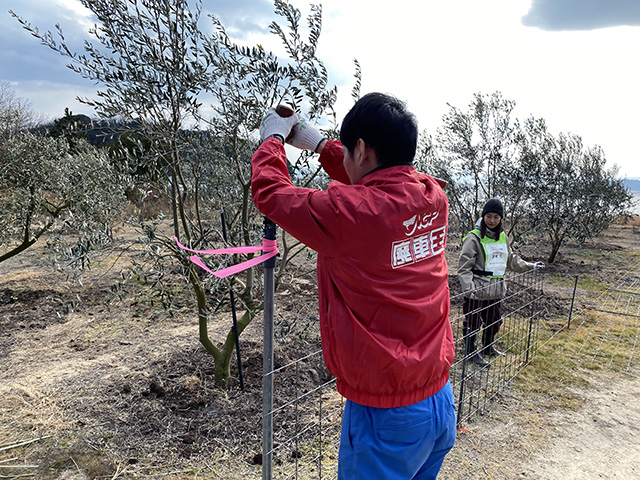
[(52, 98), (443, 52), (76, 8)]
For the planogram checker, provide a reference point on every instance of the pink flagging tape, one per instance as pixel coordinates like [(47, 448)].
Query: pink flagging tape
[(269, 247)]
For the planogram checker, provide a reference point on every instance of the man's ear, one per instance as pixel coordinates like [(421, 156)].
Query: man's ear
[(367, 156), (359, 151)]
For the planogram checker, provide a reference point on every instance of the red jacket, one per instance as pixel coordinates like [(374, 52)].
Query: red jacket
[(382, 276)]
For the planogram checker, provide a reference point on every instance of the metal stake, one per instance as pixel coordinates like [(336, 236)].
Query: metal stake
[(575, 286), (267, 357)]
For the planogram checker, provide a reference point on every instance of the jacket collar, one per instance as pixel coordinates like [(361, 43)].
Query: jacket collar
[(401, 172)]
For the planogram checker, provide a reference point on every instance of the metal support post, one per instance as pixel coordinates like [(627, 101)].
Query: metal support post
[(267, 357), (573, 298)]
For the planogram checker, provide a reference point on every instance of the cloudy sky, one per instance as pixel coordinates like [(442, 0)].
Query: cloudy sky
[(572, 62)]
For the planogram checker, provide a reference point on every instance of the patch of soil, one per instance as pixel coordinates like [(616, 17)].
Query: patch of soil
[(125, 384), (51, 305), (519, 439), (600, 440)]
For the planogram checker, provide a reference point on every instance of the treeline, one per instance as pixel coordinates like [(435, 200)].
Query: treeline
[(553, 186)]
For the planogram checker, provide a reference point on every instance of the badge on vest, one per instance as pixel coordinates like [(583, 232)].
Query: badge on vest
[(497, 254)]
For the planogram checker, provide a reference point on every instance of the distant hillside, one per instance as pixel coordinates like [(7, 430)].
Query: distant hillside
[(632, 184)]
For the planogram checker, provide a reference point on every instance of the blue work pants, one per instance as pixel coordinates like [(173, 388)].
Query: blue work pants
[(403, 443)]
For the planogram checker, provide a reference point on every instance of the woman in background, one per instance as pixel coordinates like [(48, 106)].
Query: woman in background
[(485, 257)]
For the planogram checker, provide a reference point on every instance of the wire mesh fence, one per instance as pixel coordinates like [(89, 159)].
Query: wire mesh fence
[(607, 326), (516, 336), (305, 420)]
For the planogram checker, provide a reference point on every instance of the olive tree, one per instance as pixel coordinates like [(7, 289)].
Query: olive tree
[(475, 152), (572, 195), (48, 186), (551, 186), (156, 68)]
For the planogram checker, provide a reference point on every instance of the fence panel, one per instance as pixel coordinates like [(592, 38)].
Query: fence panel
[(306, 421), (608, 325), (307, 410), (474, 385)]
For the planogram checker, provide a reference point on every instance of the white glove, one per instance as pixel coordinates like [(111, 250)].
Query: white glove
[(304, 136), (538, 265), (274, 124)]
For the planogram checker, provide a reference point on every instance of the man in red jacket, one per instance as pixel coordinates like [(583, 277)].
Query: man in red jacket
[(380, 232)]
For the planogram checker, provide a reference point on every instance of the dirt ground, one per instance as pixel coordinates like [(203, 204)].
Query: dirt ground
[(113, 386), (600, 440), (519, 440)]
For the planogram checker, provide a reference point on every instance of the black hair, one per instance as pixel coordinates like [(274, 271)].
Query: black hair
[(484, 228), (385, 125)]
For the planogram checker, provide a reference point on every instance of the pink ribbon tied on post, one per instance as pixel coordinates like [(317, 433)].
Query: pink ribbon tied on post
[(268, 247)]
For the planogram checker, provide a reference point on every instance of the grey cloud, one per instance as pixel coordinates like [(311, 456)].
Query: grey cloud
[(23, 56), (27, 65), (582, 14)]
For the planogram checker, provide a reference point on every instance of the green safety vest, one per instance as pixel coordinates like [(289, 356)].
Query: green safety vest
[(496, 253)]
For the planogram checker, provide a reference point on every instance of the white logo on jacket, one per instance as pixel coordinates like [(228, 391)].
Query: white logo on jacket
[(418, 223), (418, 247)]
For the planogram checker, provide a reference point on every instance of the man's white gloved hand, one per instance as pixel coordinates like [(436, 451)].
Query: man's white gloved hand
[(304, 136), (538, 265), (274, 124)]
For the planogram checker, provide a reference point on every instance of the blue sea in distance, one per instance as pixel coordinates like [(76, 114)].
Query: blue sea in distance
[(636, 198)]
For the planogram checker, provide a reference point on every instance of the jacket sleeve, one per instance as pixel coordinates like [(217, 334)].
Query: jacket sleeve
[(517, 264), (331, 160), (308, 214), (467, 262)]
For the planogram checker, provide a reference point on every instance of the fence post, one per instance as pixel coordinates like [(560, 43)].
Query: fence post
[(573, 298), (462, 379), (532, 273), (267, 357)]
